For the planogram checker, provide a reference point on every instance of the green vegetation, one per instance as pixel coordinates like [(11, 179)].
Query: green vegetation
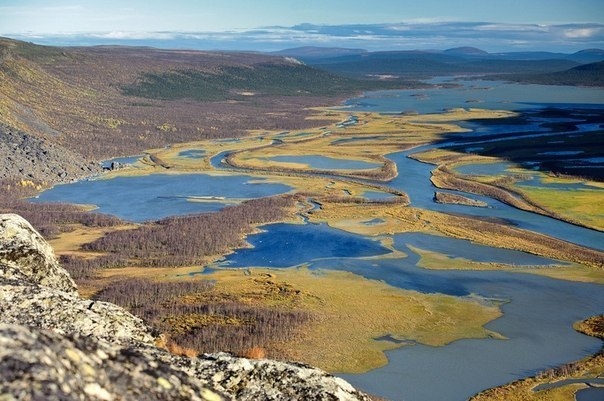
[(583, 75), (244, 82), (30, 51), (582, 206)]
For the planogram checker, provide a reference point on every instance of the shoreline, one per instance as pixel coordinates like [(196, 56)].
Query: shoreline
[(321, 187)]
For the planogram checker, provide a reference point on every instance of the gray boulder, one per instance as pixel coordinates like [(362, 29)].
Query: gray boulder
[(44, 365), (36, 291), (64, 313), (248, 379), (25, 255)]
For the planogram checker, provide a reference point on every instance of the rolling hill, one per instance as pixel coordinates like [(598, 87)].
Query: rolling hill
[(106, 101), (424, 64), (591, 74)]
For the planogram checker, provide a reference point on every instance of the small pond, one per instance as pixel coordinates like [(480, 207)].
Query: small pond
[(499, 168), (326, 163), (284, 245), (192, 153)]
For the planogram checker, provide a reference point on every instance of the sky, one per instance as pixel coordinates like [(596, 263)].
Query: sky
[(274, 24)]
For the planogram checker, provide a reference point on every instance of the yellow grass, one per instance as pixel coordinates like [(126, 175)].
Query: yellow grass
[(568, 271), (70, 242), (351, 312), (580, 205)]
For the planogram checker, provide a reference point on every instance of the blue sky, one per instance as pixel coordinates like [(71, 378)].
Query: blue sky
[(494, 24)]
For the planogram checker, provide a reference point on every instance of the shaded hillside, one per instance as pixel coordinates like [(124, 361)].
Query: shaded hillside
[(419, 64), (288, 78), (316, 52), (424, 63), (109, 101), (584, 75)]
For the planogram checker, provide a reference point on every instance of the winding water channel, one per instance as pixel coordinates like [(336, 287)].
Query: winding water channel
[(538, 311)]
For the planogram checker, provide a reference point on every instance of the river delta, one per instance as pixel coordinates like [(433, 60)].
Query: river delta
[(370, 231)]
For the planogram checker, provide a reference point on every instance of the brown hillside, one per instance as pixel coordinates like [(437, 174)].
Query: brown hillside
[(74, 97)]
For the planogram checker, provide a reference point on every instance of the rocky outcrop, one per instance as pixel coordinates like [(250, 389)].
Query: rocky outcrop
[(64, 313), (24, 156), (55, 345), (26, 257), (44, 365), (247, 379)]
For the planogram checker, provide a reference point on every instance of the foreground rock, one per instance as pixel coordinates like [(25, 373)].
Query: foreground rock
[(44, 365), (26, 257), (55, 345), (247, 379)]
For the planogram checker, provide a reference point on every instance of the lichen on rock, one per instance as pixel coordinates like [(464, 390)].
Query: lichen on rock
[(25, 255), (44, 365)]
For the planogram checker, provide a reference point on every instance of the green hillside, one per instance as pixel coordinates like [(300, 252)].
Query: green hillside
[(237, 82), (584, 75)]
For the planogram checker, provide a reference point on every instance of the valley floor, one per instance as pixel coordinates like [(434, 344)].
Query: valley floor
[(355, 319)]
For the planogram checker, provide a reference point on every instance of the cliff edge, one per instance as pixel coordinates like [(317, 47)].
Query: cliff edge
[(55, 345)]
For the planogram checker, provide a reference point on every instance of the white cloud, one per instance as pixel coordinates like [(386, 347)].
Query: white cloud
[(581, 33), (513, 28), (399, 36), (125, 35)]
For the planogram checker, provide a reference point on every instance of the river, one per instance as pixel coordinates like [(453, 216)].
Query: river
[(538, 311)]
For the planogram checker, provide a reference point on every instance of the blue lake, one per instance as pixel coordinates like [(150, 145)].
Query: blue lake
[(284, 245), (155, 196), (472, 93), (326, 163)]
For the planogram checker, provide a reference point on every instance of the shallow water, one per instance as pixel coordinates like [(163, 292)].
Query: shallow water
[(155, 196), (484, 168), (326, 163), (465, 249), (538, 311), (284, 245), (474, 94), (537, 322)]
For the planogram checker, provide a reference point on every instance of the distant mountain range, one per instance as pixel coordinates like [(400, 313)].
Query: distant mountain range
[(310, 54), (424, 64)]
